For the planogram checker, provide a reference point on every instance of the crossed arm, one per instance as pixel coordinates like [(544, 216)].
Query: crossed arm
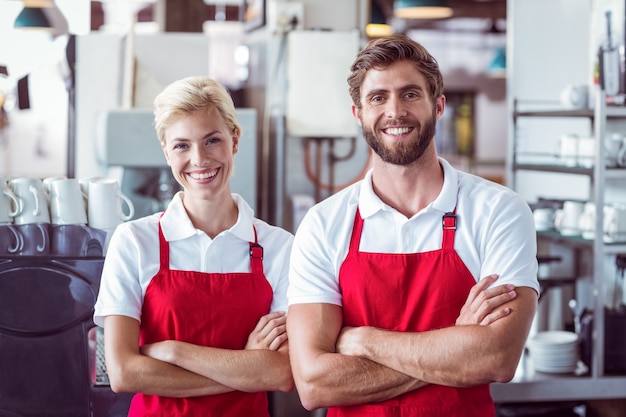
[(343, 366), (179, 369)]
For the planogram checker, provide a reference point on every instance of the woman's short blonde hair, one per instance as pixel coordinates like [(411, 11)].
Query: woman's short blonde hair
[(193, 94)]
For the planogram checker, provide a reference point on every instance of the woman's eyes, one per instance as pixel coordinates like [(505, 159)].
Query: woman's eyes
[(212, 141), (185, 145)]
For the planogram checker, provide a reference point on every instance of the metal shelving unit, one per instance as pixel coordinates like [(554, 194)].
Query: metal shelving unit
[(527, 384)]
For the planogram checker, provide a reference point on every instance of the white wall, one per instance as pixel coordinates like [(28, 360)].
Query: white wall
[(160, 60), (548, 44), (35, 141)]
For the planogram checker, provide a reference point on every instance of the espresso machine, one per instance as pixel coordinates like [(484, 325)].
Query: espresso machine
[(128, 146)]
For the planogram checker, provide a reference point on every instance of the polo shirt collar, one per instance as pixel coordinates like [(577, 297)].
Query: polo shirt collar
[(176, 224), (446, 200), (370, 203)]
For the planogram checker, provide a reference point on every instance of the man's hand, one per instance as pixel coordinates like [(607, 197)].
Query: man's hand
[(270, 332), (482, 304), (481, 307)]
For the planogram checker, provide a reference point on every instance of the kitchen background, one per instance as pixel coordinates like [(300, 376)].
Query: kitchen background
[(77, 103), (118, 71)]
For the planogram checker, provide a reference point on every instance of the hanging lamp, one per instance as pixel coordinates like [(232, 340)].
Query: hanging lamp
[(32, 18), (497, 67), (377, 25), (421, 9)]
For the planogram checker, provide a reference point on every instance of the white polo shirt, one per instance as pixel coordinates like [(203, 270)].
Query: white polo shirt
[(495, 234), (132, 258)]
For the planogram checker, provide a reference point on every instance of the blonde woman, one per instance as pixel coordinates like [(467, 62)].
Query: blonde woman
[(192, 300)]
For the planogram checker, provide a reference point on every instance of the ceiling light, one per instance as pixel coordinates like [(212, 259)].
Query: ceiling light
[(377, 26), (32, 18), (497, 67), (421, 9)]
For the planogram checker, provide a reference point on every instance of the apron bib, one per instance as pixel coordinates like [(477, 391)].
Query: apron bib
[(414, 293), (208, 309)]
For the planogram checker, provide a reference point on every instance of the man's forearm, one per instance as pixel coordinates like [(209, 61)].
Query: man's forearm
[(347, 380), (456, 356)]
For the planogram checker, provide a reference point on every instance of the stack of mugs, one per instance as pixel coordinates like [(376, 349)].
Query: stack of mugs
[(59, 216), (575, 150), (578, 218)]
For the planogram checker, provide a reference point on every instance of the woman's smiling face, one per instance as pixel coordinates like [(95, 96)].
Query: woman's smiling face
[(200, 150)]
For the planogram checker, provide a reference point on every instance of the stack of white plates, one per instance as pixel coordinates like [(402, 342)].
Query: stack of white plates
[(554, 351)]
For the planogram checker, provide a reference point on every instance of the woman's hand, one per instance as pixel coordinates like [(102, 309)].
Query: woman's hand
[(483, 303), (270, 332)]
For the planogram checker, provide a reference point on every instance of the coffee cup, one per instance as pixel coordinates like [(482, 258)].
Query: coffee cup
[(9, 204), (66, 202), (84, 184), (106, 204), (586, 151), (544, 218), (621, 154), (76, 240), (32, 200), (10, 240), (569, 149), (49, 180), (566, 218), (612, 145), (575, 96), (587, 220), (615, 221), (35, 239)]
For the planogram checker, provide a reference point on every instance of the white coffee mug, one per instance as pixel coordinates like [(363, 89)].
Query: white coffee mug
[(575, 96), (105, 204), (32, 198), (586, 151), (569, 149), (10, 240), (9, 204), (84, 184), (49, 180), (544, 218), (587, 220), (615, 220), (612, 145), (621, 154), (566, 218), (66, 202)]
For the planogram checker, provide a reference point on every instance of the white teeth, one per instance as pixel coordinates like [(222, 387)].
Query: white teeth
[(204, 176), (397, 130)]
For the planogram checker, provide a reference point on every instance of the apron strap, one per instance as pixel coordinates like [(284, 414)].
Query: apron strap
[(357, 229), (256, 255), (164, 249), (448, 223)]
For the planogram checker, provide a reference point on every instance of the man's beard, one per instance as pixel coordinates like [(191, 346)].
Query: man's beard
[(402, 152)]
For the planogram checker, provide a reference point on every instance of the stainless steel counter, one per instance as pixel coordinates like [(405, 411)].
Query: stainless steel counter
[(529, 385)]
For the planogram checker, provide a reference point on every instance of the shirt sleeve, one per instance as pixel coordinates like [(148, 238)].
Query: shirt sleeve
[(510, 244), (312, 272), (278, 274), (120, 289)]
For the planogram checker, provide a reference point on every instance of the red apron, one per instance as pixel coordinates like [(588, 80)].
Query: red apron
[(410, 292), (208, 309)]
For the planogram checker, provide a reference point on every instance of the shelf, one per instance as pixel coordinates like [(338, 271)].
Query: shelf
[(531, 386), (559, 388), (609, 173), (611, 112), (578, 241)]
